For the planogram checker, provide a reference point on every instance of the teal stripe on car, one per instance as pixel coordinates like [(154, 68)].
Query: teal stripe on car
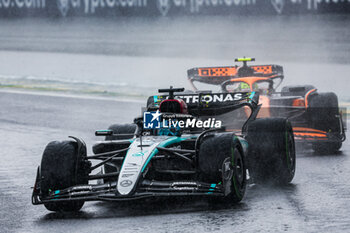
[(165, 143), (252, 95)]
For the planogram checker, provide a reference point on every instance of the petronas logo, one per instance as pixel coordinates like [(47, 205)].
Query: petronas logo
[(163, 6), (278, 5), (63, 7)]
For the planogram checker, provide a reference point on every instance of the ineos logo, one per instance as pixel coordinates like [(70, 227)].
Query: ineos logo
[(126, 183)]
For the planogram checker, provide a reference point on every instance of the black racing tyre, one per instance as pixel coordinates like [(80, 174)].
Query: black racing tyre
[(271, 150), (296, 90), (118, 129), (323, 112), (121, 129), (221, 159), (59, 170)]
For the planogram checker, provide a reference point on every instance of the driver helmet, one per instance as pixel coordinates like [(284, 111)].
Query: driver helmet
[(243, 86), (176, 106)]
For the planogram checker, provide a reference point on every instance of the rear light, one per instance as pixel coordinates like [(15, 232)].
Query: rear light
[(299, 102)]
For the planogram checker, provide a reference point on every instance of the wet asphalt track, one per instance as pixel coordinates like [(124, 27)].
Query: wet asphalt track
[(318, 200)]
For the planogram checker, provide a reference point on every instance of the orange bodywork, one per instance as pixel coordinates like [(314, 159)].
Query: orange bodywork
[(230, 71), (263, 100), (300, 133), (306, 97), (309, 134), (263, 69), (250, 80), (300, 102), (217, 71), (265, 104)]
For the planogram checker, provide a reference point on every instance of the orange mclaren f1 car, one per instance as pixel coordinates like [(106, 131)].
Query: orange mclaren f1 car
[(315, 116)]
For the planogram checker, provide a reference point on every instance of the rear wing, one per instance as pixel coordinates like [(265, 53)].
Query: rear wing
[(218, 75), (207, 100)]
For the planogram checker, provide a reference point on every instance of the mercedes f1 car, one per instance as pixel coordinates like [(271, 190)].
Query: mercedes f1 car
[(184, 145), (315, 116)]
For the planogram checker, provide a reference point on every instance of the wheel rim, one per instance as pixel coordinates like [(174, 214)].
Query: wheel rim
[(227, 169), (239, 169), (233, 169), (290, 152)]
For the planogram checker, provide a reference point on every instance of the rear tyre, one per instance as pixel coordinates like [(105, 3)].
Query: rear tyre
[(221, 160), (271, 150), (62, 167), (323, 113)]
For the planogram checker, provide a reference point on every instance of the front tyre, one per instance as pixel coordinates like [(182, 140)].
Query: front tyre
[(221, 160), (62, 166)]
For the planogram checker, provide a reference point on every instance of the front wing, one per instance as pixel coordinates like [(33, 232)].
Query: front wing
[(146, 189)]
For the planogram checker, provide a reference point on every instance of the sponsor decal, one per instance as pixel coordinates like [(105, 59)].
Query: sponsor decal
[(313, 4), (132, 164), (126, 183), (82, 187), (183, 183), (22, 4), (142, 153), (90, 6), (194, 6), (279, 5), (207, 99), (218, 98), (164, 6), (185, 188)]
